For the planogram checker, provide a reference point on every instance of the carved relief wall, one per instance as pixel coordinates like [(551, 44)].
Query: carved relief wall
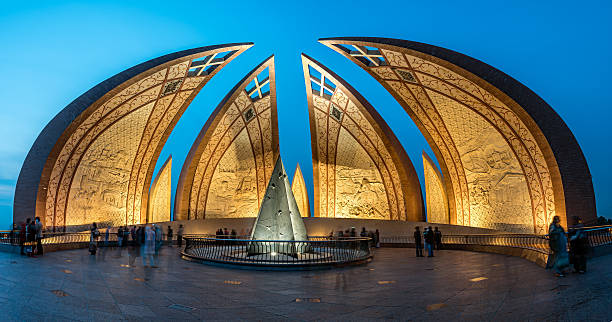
[(298, 186), (500, 171), (360, 169), (435, 193), (160, 195), (230, 163), (100, 167)]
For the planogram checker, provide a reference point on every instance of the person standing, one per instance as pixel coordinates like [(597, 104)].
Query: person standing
[(32, 237), (418, 244), (120, 236), (377, 238), (179, 236), (438, 238), (579, 246), (93, 239), (149, 247), (170, 235), (429, 241), (559, 259), (39, 235), (23, 235), (106, 236)]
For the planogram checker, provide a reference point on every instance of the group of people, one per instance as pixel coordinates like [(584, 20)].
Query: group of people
[(560, 259), (432, 238), (223, 233), (149, 238), (352, 232), (30, 237)]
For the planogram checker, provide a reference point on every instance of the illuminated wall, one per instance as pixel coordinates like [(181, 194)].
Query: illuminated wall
[(435, 193), (493, 142), (94, 161), (159, 197), (229, 165), (298, 186), (360, 169)]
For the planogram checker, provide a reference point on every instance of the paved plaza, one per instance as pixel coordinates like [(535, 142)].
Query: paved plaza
[(72, 285)]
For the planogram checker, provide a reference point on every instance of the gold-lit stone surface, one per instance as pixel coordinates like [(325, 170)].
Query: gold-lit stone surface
[(358, 173), (492, 164), (98, 189), (435, 193), (230, 163), (104, 166), (159, 197), (298, 186)]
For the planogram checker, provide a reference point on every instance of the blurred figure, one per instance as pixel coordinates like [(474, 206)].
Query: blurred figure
[(559, 259), (169, 235), (93, 239), (149, 248), (377, 238), (179, 236)]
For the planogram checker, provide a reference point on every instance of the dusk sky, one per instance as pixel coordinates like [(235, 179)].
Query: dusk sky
[(53, 51)]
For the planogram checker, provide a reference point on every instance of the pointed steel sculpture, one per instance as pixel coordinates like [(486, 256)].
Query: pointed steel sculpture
[(278, 218)]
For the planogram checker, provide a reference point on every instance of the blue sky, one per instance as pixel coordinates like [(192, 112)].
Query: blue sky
[(53, 51)]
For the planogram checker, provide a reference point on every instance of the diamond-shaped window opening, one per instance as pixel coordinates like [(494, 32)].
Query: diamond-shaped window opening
[(406, 75), (336, 113), (259, 87), (249, 114), (171, 87), (369, 56), (205, 65)]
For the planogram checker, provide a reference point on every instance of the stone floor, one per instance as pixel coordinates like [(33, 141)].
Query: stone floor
[(454, 285)]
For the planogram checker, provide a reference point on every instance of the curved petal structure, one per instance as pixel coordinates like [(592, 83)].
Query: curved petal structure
[(94, 161), (360, 168), (229, 165), (160, 195), (509, 161), (298, 186), (435, 193)]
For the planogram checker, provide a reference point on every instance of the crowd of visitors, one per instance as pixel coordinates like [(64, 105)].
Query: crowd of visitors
[(30, 236), (560, 259), (432, 238), (352, 232)]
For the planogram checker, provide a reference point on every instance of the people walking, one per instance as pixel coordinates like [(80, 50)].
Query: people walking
[(179, 236), (93, 239), (149, 248), (418, 244), (579, 246), (559, 259), (438, 238), (428, 235)]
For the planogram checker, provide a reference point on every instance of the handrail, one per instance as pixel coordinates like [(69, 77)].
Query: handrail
[(278, 253)]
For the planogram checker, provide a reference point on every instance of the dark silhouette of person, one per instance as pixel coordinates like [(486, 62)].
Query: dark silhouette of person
[(579, 246), (179, 236), (418, 243), (438, 238), (363, 232), (377, 238), (169, 235), (429, 241)]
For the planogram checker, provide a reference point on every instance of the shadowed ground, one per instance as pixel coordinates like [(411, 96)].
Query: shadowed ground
[(395, 285)]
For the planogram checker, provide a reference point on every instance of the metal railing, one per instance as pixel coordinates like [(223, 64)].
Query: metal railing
[(316, 251)]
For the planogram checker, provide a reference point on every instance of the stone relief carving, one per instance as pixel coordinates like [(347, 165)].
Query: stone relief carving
[(507, 174), (159, 198), (435, 193)]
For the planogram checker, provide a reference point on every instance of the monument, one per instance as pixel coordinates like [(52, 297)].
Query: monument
[(94, 160), (278, 219), (508, 160)]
